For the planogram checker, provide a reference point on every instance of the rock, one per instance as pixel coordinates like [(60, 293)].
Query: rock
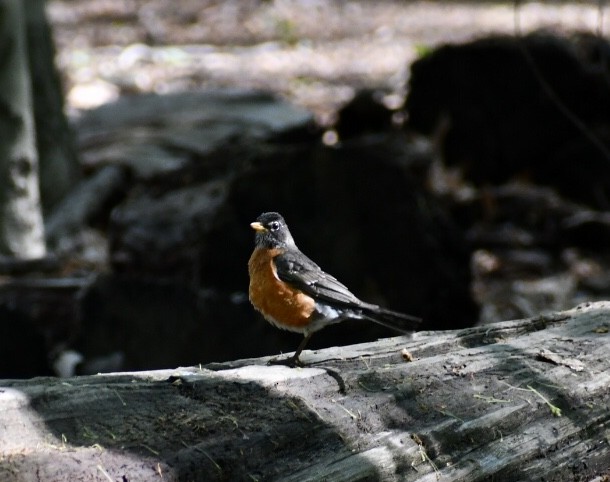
[(38, 316), (89, 199), (354, 209), (162, 233), (157, 134)]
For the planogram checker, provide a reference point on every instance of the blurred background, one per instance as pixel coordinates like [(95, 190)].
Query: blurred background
[(446, 159)]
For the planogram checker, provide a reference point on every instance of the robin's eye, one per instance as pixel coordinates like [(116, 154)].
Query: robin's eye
[(274, 226)]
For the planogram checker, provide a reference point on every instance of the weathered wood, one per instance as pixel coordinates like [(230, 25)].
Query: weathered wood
[(58, 162), (21, 228), (519, 400)]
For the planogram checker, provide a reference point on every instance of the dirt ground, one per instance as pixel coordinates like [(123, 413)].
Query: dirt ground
[(313, 53)]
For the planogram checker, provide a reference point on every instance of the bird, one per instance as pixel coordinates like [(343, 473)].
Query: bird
[(293, 293)]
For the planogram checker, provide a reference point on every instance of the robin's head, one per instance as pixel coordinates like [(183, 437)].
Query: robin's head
[(272, 232)]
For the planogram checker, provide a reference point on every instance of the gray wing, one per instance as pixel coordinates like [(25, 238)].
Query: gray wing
[(299, 271), (302, 273)]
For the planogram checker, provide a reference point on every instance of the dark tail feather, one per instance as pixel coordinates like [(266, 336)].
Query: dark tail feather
[(393, 320)]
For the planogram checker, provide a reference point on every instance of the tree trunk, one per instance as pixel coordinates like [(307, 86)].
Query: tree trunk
[(21, 228), (59, 167), (520, 400)]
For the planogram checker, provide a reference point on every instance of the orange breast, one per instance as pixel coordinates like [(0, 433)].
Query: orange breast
[(281, 305)]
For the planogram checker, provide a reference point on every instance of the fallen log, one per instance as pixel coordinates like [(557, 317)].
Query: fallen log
[(518, 400)]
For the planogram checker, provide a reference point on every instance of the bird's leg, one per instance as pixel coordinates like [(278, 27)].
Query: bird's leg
[(294, 360), (300, 349)]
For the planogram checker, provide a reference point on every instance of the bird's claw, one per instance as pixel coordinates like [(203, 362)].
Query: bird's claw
[(291, 362)]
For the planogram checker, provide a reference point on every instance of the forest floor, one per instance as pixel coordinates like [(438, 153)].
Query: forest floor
[(313, 53)]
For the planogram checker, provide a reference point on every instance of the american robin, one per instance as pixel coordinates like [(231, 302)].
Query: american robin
[(293, 293)]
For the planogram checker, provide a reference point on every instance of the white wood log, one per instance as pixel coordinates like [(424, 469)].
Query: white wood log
[(519, 400)]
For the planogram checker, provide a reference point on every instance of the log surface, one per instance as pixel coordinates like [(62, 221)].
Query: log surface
[(519, 400)]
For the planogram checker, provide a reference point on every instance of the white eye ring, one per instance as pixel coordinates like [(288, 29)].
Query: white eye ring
[(274, 226)]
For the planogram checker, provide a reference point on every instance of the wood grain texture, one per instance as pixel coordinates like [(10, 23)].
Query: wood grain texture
[(485, 403)]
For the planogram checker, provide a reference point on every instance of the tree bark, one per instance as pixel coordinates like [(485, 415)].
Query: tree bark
[(519, 400), (21, 227), (59, 166)]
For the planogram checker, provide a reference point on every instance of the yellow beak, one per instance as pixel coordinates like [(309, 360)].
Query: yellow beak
[(258, 226)]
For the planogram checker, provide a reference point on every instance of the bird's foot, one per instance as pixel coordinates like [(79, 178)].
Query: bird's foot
[(291, 362)]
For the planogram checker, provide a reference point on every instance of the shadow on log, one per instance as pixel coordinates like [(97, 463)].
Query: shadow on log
[(524, 399)]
